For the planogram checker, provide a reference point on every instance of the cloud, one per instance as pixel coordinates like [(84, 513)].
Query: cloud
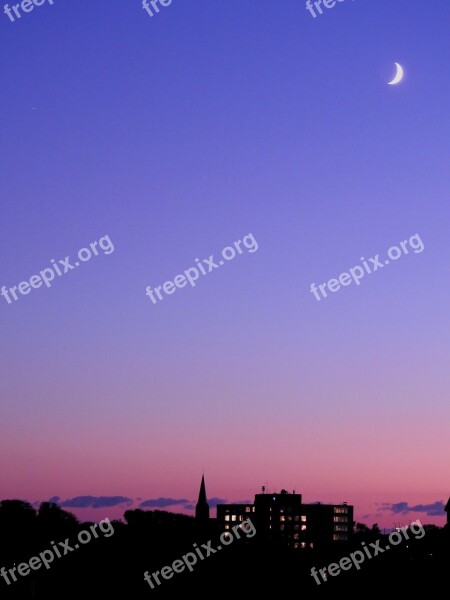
[(187, 504), (213, 502), (432, 510), (95, 501), (110, 501), (163, 502), (399, 507)]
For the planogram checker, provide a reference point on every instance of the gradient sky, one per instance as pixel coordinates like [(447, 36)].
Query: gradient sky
[(176, 136)]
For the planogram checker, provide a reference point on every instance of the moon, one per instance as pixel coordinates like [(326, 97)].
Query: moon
[(398, 76)]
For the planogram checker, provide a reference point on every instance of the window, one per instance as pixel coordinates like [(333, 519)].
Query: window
[(233, 517), (247, 509), (340, 537), (281, 527), (340, 528), (282, 518), (227, 526), (340, 510), (296, 527), (303, 544), (303, 519), (227, 517), (241, 517), (295, 536), (297, 518), (340, 519), (303, 527), (296, 545)]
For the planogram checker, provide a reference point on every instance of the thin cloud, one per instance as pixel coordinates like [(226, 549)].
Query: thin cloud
[(163, 502), (213, 502), (187, 504), (436, 509), (95, 502)]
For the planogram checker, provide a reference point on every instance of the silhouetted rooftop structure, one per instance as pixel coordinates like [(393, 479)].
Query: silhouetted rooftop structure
[(282, 518)]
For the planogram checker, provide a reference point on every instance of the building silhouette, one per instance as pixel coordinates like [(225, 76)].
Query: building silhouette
[(447, 510), (283, 519), (202, 508)]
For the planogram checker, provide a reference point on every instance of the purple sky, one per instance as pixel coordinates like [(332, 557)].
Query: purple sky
[(176, 136)]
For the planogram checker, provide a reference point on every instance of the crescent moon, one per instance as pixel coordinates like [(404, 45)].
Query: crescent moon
[(398, 76)]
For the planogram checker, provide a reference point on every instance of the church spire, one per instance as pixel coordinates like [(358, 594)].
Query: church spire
[(202, 507)]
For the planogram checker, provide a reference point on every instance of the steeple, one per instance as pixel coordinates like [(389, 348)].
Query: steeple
[(202, 507)]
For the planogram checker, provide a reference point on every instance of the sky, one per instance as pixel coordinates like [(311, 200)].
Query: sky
[(173, 137)]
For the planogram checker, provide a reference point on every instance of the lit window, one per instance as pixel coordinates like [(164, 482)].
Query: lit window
[(233, 517), (303, 527), (340, 519), (341, 510), (282, 518), (289, 518), (247, 509), (227, 517), (241, 517), (295, 536), (303, 519), (303, 544), (227, 526), (296, 545)]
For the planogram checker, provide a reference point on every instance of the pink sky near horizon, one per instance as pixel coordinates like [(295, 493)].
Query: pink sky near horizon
[(242, 448), (368, 507), (367, 513)]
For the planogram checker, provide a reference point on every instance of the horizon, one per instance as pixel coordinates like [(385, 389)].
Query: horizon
[(88, 508)]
